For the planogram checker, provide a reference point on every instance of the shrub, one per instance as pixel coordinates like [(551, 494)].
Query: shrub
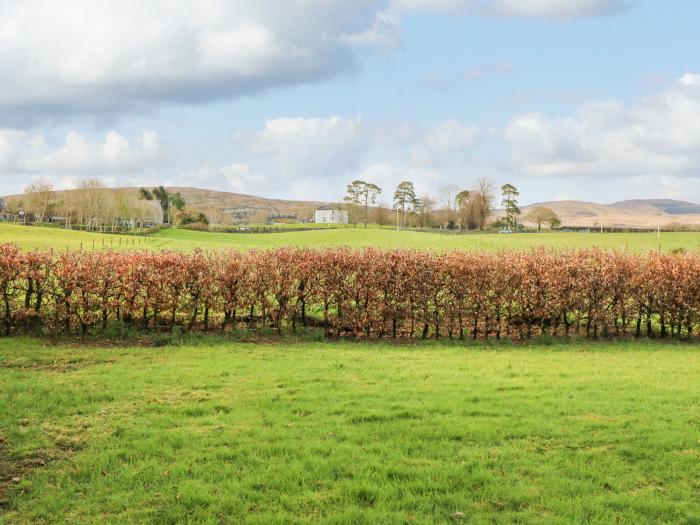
[(196, 226), (368, 293), (184, 218)]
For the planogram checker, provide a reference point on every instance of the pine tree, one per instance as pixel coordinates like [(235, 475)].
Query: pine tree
[(510, 205)]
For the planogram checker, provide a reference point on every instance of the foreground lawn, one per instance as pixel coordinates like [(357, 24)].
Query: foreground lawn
[(29, 237), (349, 433)]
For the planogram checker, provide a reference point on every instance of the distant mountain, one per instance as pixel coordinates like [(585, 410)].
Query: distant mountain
[(635, 213), (669, 206)]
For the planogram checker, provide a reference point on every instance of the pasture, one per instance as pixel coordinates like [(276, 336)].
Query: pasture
[(212, 429), (218, 431), (30, 237)]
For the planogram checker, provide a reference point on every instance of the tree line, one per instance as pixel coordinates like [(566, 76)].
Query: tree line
[(456, 208), (92, 206)]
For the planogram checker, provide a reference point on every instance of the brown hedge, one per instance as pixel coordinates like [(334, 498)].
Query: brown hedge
[(369, 293)]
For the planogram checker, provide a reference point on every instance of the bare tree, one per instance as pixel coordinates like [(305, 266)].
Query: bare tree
[(448, 197), (482, 198), (424, 207), (447, 201), (39, 195), (306, 213), (13, 205), (260, 217), (542, 214), (66, 207), (92, 203), (381, 213), (214, 213), (131, 210), (80, 204)]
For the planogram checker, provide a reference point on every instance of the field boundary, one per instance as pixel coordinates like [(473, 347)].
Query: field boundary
[(358, 294)]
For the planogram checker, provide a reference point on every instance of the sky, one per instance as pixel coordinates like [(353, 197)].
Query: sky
[(593, 100)]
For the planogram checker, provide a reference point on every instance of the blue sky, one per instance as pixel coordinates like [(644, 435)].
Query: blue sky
[(582, 99)]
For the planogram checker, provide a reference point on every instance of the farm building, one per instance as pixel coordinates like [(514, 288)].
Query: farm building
[(330, 214)]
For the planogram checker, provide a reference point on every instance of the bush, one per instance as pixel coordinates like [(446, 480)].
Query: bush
[(197, 226), (184, 218), (152, 230)]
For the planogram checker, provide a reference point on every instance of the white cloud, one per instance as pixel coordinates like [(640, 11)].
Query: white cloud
[(660, 135), (555, 9), (15, 146), (665, 187), (544, 9), (383, 175), (451, 136), (99, 57), (88, 56), (690, 80), (383, 34), (388, 177), (444, 140), (310, 146), (317, 157), (24, 152), (236, 177)]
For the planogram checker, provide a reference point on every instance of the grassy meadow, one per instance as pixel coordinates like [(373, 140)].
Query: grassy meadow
[(30, 237), (211, 429), (229, 432)]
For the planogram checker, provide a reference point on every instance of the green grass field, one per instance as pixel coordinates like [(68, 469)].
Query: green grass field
[(218, 431), (224, 432), (59, 239)]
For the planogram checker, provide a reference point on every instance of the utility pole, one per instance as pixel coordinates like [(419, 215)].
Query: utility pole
[(658, 225), (601, 219)]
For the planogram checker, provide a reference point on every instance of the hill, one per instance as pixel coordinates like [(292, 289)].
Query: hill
[(236, 206), (240, 206), (637, 213)]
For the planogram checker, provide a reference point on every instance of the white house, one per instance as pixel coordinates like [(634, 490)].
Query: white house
[(328, 214)]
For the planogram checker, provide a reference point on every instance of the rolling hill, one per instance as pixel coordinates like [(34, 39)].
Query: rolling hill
[(241, 205), (637, 213), (236, 206)]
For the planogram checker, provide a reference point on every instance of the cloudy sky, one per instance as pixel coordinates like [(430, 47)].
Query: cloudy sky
[(566, 99)]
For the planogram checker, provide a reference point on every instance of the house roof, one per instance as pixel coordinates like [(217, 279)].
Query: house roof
[(328, 207)]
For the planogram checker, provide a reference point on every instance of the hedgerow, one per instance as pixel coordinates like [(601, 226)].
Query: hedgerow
[(368, 293)]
